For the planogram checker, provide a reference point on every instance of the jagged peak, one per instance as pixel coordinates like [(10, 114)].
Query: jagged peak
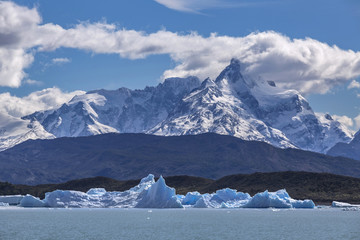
[(232, 74), (235, 62), (208, 82)]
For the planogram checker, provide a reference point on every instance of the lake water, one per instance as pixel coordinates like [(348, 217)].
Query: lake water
[(20, 223)]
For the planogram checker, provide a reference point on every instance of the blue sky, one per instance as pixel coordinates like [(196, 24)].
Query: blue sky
[(72, 65)]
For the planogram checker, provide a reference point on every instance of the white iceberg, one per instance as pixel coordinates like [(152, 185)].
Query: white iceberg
[(98, 197), (204, 202), (227, 197), (96, 191), (151, 194), (11, 199), (159, 195), (343, 205), (30, 201), (2, 204), (190, 198), (278, 199)]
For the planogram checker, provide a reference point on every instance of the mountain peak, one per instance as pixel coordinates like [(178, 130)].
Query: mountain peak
[(232, 72), (235, 62)]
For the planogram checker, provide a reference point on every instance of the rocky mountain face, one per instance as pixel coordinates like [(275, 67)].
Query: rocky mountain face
[(232, 104)]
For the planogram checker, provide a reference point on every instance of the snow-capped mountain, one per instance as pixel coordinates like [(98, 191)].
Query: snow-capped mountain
[(233, 104), (14, 131), (252, 110), (122, 110)]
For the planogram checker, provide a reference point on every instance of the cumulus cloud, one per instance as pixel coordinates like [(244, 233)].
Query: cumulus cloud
[(16, 23), (303, 64), (195, 6), (41, 100), (353, 84)]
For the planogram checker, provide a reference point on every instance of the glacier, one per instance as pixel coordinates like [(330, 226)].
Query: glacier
[(156, 194)]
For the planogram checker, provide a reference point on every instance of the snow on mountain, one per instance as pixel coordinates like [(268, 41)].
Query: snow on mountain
[(233, 104), (14, 131), (121, 110), (252, 110)]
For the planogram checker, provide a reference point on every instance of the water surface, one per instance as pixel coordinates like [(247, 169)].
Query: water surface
[(36, 223)]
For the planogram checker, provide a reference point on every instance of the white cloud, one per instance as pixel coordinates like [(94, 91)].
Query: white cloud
[(345, 120), (353, 84), (41, 100), (303, 64), (32, 82), (16, 23), (357, 121), (195, 6), (60, 60)]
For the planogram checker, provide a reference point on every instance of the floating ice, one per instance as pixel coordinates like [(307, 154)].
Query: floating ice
[(158, 196), (344, 205), (191, 198), (302, 204), (96, 191), (98, 197), (11, 199), (30, 201), (151, 194), (204, 202), (279, 199), (228, 198), (2, 204)]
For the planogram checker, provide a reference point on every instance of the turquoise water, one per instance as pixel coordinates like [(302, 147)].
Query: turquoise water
[(20, 223)]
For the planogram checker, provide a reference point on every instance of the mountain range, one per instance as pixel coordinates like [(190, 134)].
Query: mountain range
[(233, 104)]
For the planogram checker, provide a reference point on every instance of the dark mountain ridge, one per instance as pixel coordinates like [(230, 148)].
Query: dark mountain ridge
[(130, 156)]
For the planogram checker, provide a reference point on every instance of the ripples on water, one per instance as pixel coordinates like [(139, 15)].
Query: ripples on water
[(19, 223)]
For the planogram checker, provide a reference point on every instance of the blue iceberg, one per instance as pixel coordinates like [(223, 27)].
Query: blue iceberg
[(159, 195), (151, 194)]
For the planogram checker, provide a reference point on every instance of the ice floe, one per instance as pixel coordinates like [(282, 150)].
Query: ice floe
[(11, 199), (2, 204), (347, 206)]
